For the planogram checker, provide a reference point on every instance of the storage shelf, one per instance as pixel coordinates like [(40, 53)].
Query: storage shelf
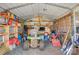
[(13, 32), (1, 25), (2, 34)]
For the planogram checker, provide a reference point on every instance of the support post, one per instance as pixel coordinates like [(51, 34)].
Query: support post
[(74, 27)]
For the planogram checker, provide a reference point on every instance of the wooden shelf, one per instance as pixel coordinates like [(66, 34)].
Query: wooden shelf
[(13, 33), (39, 20), (1, 25), (2, 34)]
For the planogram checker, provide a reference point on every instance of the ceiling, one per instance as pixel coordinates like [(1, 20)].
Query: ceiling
[(30, 10)]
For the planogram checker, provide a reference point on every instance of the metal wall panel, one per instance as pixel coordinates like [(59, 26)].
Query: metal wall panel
[(50, 11)]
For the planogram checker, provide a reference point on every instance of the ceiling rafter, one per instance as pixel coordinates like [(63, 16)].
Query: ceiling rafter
[(16, 7), (63, 7), (41, 14), (27, 4), (2, 8), (33, 3)]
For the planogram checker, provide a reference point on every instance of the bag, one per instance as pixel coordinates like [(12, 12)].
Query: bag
[(56, 43), (15, 40), (19, 37), (11, 41), (54, 36), (46, 38), (12, 16), (29, 37), (25, 36), (10, 22), (15, 17), (18, 43)]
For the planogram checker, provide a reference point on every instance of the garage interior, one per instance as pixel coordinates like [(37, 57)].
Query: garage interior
[(39, 28)]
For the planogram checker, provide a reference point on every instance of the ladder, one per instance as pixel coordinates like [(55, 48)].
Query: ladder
[(74, 35), (75, 27)]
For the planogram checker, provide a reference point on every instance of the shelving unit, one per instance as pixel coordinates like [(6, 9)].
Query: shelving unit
[(13, 29), (4, 48), (38, 21), (20, 29), (6, 31), (2, 33)]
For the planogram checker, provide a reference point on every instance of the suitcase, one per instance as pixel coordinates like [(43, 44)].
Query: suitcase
[(34, 43)]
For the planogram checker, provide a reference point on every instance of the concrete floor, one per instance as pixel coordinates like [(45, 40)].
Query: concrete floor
[(48, 51)]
